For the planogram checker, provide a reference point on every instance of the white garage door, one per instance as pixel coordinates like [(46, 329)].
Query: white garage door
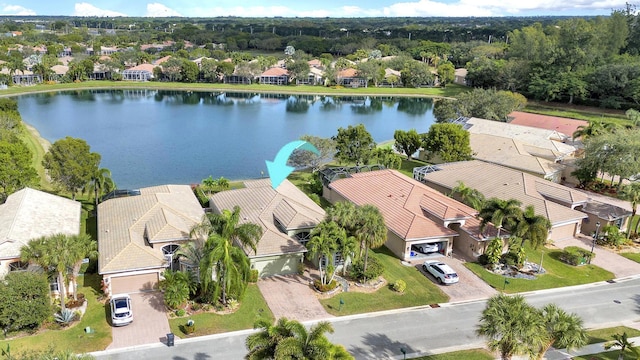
[(563, 232), (134, 283)]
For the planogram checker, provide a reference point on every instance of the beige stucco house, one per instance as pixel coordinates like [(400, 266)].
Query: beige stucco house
[(139, 235), (287, 217), (30, 214), (413, 213)]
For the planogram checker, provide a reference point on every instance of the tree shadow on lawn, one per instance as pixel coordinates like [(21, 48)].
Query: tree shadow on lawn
[(197, 356), (380, 346)]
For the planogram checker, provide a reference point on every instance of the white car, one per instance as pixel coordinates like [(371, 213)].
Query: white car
[(427, 248), (121, 312), (443, 273)]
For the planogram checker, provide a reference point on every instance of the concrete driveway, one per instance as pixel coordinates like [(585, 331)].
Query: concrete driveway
[(150, 324), (620, 266), (291, 297), (469, 287)]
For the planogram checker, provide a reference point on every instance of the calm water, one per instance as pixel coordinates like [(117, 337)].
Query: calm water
[(149, 137)]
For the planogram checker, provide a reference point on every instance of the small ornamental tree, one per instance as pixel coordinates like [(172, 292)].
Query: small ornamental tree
[(24, 301)]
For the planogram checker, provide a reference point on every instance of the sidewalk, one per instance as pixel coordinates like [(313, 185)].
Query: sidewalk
[(555, 354)]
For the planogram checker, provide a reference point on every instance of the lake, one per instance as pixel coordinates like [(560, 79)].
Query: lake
[(152, 137)]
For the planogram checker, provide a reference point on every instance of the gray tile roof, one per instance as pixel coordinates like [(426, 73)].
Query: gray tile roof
[(165, 213), (29, 214), (261, 204)]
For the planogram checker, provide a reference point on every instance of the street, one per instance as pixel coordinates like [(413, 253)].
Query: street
[(420, 331)]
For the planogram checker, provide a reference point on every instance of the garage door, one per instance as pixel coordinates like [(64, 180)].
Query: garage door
[(563, 232), (134, 283)]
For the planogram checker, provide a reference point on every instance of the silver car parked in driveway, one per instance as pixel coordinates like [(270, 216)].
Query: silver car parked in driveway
[(443, 273), (121, 312)]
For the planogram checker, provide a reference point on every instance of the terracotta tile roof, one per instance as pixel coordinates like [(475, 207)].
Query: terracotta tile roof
[(28, 214), (404, 203), (147, 67), (275, 71), (162, 60), (165, 213), (563, 125), (504, 183), (261, 204), (348, 73)]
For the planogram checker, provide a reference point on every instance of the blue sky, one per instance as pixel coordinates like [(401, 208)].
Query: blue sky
[(291, 8)]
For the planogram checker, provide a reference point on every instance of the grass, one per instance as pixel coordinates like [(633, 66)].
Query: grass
[(606, 334), (408, 165), (73, 338), (450, 91), (420, 290), (632, 256), (477, 354), (252, 308), (558, 274), (33, 142)]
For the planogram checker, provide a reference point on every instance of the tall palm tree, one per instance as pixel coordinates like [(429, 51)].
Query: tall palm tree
[(512, 326), (631, 193), (227, 225), (193, 253), (83, 247), (532, 227), (322, 245), (468, 196), (372, 231), (347, 247), (58, 252), (501, 213), (100, 183), (621, 341), (344, 214), (228, 265), (565, 330)]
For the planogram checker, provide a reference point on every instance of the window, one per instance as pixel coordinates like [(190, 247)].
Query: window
[(53, 284), (18, 266), (303, 237), (169, 251)]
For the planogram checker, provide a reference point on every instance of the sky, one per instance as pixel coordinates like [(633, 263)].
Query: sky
[(297, 8)]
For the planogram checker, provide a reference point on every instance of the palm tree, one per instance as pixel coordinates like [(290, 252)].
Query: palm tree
[(500, 213), (227, 225), (177, 286), (468, 196), (84, 247), (100, 183), (631, 193), (262, 345), (228, 265), (621, 341), (594, 128), (372, 231), (344, 214), (322, 245), (347, 248), (565, 330), (532, 227), (193, 253), (58, 252), (512, 326), (311, 345)]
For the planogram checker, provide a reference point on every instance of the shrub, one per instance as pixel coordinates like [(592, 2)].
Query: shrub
[(510, 259), (16, 287), (65, 316), (190, 327), (301, 268), (180, 312), (400, 286), (576, 256), (233, 304), (374, 269), (315, 198), (196, 306), (494, 251), (483, 260), (324, 288), (253, 276)]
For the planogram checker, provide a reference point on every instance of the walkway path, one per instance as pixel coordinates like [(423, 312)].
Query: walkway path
[(291, 297)]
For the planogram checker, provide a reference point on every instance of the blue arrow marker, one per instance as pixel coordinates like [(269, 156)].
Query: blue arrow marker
[(278, 168)]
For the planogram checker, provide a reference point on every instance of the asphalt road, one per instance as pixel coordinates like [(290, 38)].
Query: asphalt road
[(419, 331)]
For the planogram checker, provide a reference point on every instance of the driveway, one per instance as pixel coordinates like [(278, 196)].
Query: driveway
[(620, 266), (150, 324), (469, 286), (291, 297)]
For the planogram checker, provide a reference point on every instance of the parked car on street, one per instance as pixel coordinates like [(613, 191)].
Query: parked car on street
[(427, 248), (121, 312), (443, 273)]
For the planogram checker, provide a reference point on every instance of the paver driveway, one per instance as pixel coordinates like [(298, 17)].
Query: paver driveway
[(608, 260), (150, 324), (291, 297)]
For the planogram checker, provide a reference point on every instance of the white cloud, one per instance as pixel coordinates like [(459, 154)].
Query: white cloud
[(16, 10), (86, 9), (161, 10)]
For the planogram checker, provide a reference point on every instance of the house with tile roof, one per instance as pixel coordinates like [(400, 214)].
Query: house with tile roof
[(414, 213), (275, 76), (554, 123), (142, 72), (29, 214), (286, 215), (138, 235), (349, 77), (569, 210)]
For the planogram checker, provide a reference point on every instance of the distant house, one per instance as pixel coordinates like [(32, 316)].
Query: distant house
[(315, 63), (29, 214), (553, 123), (59, 71), (138, 235), (275, 76), (315, 77), (285, 214), (414, 213), (569, 210), (460, 76), (25, 77), (142, 72), (349, 78), (392, 78)]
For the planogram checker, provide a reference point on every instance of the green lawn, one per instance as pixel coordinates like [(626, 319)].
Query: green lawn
[(558, 274), (253, 307), (606, 334), (478, 354), (408, 165), (632, 256), (420, 290), (73, 338), (450, 91)]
